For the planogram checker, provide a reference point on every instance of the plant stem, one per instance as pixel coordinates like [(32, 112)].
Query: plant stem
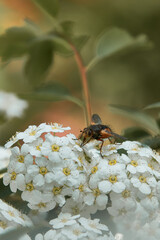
[(82, 70)]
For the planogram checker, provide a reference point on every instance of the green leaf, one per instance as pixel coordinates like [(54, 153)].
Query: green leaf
[(144, 119), (40, 59), (61, 46), (51, 7), (3, 118), (135, 133), (79, 41), (14, 42), (67, 27), (153, 142), (51, 92), (116, 40), (154, 105)]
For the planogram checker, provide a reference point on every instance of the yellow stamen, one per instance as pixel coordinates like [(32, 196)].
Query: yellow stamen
[(41, 205), (113, 179), (43, 170), (94, 169), (32, 133), (13, 175), (126, 194), (11, 213), (150, 165), (96, 192), (112, 162), (29, 187), (3, 224), (75, 211), (142, 179), (66, 171), (81, 188), (134, 163), (21, 158), (55, 148), (76, 232), (38, 147), (80, 168), (57, 190)]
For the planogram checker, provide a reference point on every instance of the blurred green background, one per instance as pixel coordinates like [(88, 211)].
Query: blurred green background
[(130, 79)]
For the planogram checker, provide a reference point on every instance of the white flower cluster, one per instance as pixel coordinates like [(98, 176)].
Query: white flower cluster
[(48, 169), (11, 105), (11, 218), (52, 170), (68, 227)]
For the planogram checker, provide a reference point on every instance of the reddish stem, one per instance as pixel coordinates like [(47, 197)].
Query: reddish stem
[(82, 71)]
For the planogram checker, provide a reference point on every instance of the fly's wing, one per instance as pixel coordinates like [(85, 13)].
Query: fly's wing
[(107, 133), (96, 119)]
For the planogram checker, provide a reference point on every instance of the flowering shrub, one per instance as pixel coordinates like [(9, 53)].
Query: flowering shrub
[(53, 171)]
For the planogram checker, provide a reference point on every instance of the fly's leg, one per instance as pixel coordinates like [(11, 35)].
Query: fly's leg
[(101, 146), (85, 142)]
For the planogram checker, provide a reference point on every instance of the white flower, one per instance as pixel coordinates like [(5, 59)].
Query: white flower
[(112, 182), (40, 171), (77, 207), (30, 134), (137, 164), (14, 178), (13, 215), (42, 202), (74, 232), (81, 188), (51, 234), (55, 127), (12, 141), (93, 225), (21, 158), (120, 208), (109, 149), (35, 147), (144, 182), (67, 173), (64, 219), (150, 202), (11, 105)]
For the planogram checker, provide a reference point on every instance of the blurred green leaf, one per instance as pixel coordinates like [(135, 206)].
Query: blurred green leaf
[(67, 27), (116, 40), (154, 105), (147, 121), (3, 170), (135, 133), (14, 42), (51, 92), (61, 46), (40, 59), (51, 7), (153, 142), (79, 41), (4, 190), (2, 118)]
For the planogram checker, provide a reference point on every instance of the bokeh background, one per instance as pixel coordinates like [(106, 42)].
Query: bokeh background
[(130, 79)]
